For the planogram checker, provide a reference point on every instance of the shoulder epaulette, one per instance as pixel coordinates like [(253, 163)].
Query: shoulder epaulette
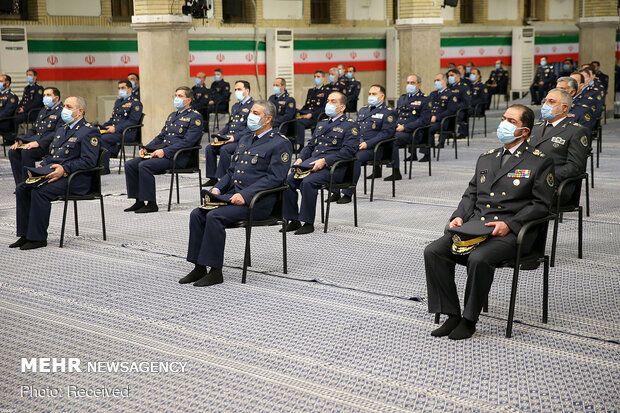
[(488, 152), (389, 108), (539, 123), (537, 152)]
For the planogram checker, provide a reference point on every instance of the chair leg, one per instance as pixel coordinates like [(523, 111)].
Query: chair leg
[(587, 197), (326, 213), (545, 288), (170, 193), (199, 184), (120, 158), (404, 159), (322, 206), (178, 197), (364, 177), (354, 207), (393, 181), (554, 240), (456, 153), (429, 166), (284, 249), (513, 299), (75, 215), (485, 125), (473, 126), (372, 186), (592, 169), (64, 222), (580, 231), (103, 218), (246, 256)]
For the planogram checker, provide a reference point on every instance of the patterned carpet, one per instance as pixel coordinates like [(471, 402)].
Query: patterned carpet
[(346, 330)]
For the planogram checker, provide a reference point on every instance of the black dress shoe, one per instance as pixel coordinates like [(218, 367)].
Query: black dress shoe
[(345, 199), (440, 146), (395, 177), (293, 225), (32, 245), (21, 241), (425, 158), (150, 207), (197, 273), (106, 171), (377, 173), (447, 326), (135, 207), (305, 229), (464, 330), (412, 157), (335, 196), (214, 276), (211, 182)]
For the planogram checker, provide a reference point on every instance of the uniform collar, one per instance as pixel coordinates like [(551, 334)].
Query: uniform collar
[(554, 124), (263, 134), (244, 101), (335, 118), (5, 91), (513, 149), (74, 124)]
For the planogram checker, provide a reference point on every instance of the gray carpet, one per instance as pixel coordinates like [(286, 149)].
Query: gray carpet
[(345, 330)]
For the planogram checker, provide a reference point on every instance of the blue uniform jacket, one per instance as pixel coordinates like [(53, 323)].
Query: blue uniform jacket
[(237, 125), (74, 148), (136, 93), (220, 91), (315, 101), (376, 124), (333, 141), (479, 94), (8, 105), (257, 166), (545, 74), (285, 108), (414, 111), (181, 130), (584, 116), (32, 98), (463, 94), (202, 95), (126, 112), (498, 77), (44, 128), (445, 103), (352, 89)]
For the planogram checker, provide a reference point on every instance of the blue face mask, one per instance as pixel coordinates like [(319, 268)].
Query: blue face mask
[(133, 84), (48, 101), (467, 69), (340, 72), (451, 80), (332, 78), (498, 66), (567, 67), (178, 103), (349, 75), (2, 86), (331, 110), (472, 77), (411, 89), (30, 79), (198, 81), (546, 112), (543, 63), (317, 81), (253, 122), (239, 95), (122, 93), (66, 115), (506, 132), (277, 90), (373, 101), (438, 85), (217, 77)]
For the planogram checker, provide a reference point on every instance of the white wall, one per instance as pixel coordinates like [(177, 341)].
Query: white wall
[(503, 10), (74, 7)]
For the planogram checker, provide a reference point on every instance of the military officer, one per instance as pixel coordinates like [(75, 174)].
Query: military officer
[(352, 90), (335, 85), (561, 139), (32, 99), (581, 114), (233, 131), (201, 98), (313, 108), (183, 129), (592, 94), (377, 122), (283, 102), (445, 103), (462, 72), (134, 79), (414, 110), (498, 81), (543, 81), (127, 112), (342, 79), (602, 77), (334, 139), (511, 185), (463, 93), (38, 138), (8, 105), (220, 93), (567, 67), (75, 147), (479, 93), (260, 162)]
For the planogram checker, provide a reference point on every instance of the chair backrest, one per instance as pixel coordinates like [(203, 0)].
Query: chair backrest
[(576, 196), (194, 160), (387, 151), (540, 242), (276, 212), (95, 178), (139, 130)]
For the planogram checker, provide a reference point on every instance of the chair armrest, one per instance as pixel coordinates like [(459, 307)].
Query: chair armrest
[(419, 129), (445, 119), (381, 143), (262, 194), (176, 154), (528, 227), (335, 166), (483, 104), (565, 182), (286, 122), (97, 168), (32, 111), (128, 128), (8, 117)]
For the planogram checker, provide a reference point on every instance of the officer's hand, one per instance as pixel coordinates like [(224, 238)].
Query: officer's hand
[(307, 116), (230, 138), (15, 145), (237, 199), (298, 161), (501, 228), (21, 110), (158, 154), (456, 222), (363, 145), (400, 128), (215, 191), (31, 145), (318, 164), (541, 83), (111, 129), (59, 171), (433, 119), (211, 102), (142, 151)]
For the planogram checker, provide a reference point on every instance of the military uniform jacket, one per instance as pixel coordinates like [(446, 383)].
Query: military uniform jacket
[(566, 143), (544, 74), (8, 105), (479, 94), (352, 90), (136, 93), (74, 148), (333, 141), (32, 97), (463, 94), (444, 102), (285, 108), (604, 79), (127, 112), (315, 101), (336, 87), (593, 96), (518, 192), (584, 116), (257, 165), (376, 124), (238, 119), (220, 91), (500, 78), (181, 130), (201, 96), (414, 111), (43, 130)]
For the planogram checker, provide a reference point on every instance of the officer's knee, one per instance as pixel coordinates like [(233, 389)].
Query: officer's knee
[(14, 154)]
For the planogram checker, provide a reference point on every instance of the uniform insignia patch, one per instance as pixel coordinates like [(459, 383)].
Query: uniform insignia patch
[(354, 131), (584, 140), (557, 139), (335, 141), (338, 129), (73, 139), (245, 110), (291, 105), (12, 100), (40, 92), (137, 107), (489, 152), (198, 122), (587, 117), (516, 182), (94, 141), (538, 153), (180, 130), (550, 180), (390, 119), (483, 179), (455, 99), (284, 157), (254, 160), (520, 173)]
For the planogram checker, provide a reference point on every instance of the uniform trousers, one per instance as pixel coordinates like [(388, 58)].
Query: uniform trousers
[(140, 177), (20, 158), (111, 142), (309, 189), (302, 125), (213, 169), (363, 156)]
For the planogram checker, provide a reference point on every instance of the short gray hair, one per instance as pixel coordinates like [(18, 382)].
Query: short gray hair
[(572, 83), (270, 109), (417, 76), (565, 97), (80, 102)]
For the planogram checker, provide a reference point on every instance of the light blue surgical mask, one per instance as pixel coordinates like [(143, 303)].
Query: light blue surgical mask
[(567, 67), (66, 115), (198, 81), (133, 84), (543, 63), (331, 110), (438, 85), (277, 90), (254, 122), (178, 103), (317, 81), (451, 80), (123, 93), (332, 78), (506, 132), (349, 75), (546, 112), (340, 72), (472, 77), (48, 101), (411, 89), (498, 66), (467, 69), (30, 79), (2, 86), (373, 101), (217, 77), (239, 95)]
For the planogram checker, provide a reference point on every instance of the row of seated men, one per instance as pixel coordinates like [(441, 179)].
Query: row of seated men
[(511, 185)]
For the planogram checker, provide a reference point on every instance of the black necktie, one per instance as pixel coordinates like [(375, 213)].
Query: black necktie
[(505, 157), (330, 120)]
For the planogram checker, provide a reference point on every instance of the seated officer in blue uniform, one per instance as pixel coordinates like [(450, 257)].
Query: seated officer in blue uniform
[(543, 81), (377, 122), (127, 112), (75, 147), (592, 93), (445, 103), (313, 108), (134, 79), (38, 138), (260, 162), (353, 89), (463, 92), (285, 104), (202, 95), (580, 113), (335, 84), (414, 110), (183, 129), (334, 139), (602, 77), (8, 105), (497, 82), (219, 94), (233, 131), (479, 93), (32, 99)]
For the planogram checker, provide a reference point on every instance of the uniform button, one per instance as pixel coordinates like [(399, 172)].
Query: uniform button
[(481, 218), (499, 207), (503, 193), (495, 218), (238, 171), (492, 194), (488, 206)]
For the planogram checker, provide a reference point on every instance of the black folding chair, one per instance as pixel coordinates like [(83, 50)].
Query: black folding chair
[(93, 194), (597, 135), (122, 159), (288, 128), (31, 117), (479, 108), (13, 130), (347, 183), (530, 261), (412, 147), (274, 219), (221, 107), (193, 166), (452, 133), (386, 159)]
